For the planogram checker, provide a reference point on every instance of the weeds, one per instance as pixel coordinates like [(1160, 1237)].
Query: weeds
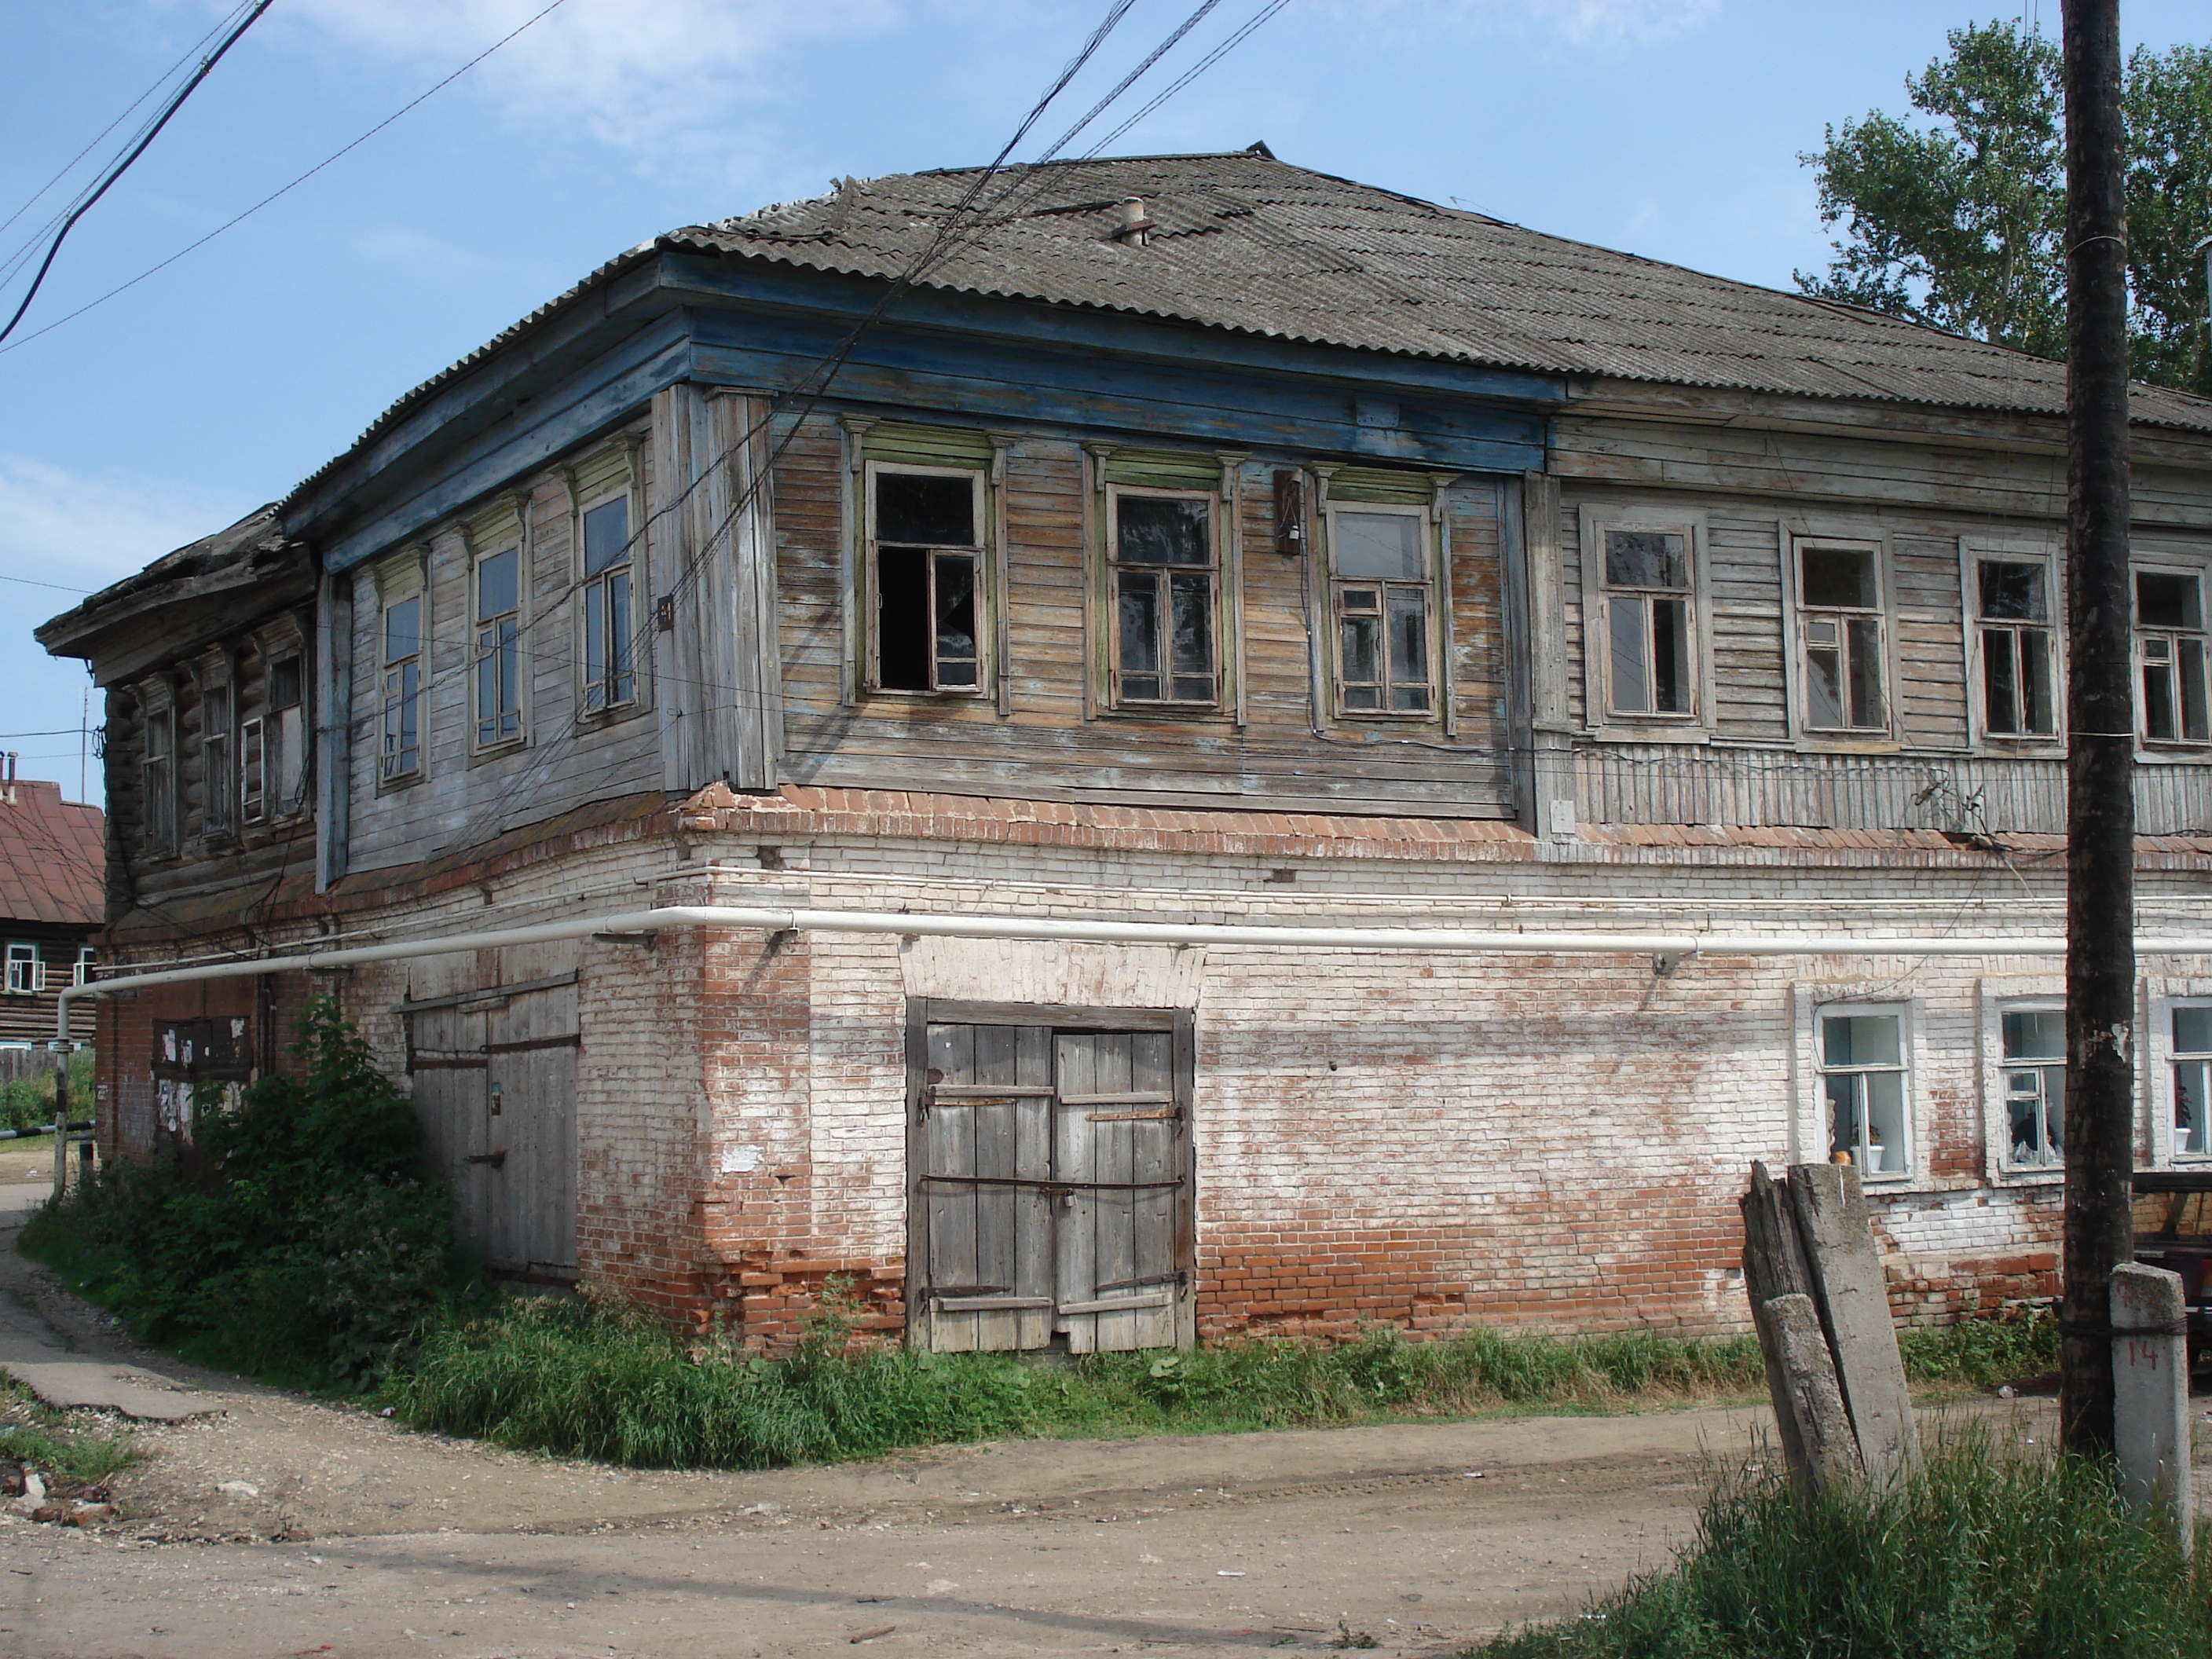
[(72, 1450), (27, 1102), (1992, 1553)]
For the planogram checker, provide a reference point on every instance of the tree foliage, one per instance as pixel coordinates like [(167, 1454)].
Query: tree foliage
[(1955, 216)]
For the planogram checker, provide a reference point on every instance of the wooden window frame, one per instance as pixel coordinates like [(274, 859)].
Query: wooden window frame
[(979, 553), (594, 593), (395, 705), (87, 958), (36, 959), (1600, 719), (502, 741), (2163, 1057), (1973, 554), (1903, 1070), (1111, 567), (1798, 536), (1435, 615), (2199, 570), (218, 756), (158, 783), (1810, 1002)]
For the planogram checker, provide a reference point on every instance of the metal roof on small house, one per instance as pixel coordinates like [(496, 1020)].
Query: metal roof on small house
[(53, 855)]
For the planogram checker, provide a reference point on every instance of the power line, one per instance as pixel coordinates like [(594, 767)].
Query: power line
[(176, 103), (57, 586), (1191, 74), (334, 155)]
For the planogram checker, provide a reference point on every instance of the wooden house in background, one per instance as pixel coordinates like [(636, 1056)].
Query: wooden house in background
[(49, 907), (1198, 538)]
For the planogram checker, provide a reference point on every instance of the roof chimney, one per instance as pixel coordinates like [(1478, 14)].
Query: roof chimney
[(1135, 221)]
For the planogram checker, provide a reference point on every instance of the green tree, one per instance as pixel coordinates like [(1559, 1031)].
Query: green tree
[(1955, 216)]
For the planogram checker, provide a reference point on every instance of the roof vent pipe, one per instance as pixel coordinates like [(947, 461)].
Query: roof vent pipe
[(1135, 221)]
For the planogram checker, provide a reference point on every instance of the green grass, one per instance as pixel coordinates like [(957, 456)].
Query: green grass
[(71, 1449), (593, 1379), (1994, 1552)]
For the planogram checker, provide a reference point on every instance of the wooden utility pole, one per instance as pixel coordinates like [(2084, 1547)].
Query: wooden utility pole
[(2100, 964)]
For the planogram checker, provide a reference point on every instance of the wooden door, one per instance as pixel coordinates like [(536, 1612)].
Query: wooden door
[(1052, 1196)]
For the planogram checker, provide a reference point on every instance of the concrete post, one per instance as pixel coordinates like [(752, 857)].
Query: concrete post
[(2150, 1382)]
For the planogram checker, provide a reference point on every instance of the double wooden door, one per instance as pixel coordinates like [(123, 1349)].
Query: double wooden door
[(494, 1065), (1052, 1188)]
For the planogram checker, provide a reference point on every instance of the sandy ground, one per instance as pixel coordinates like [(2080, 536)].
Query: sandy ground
[(289, 1527)]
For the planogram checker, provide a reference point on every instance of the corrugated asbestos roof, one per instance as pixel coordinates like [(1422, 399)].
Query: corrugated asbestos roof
[(255, 537), (1246, 242), (52, 853)]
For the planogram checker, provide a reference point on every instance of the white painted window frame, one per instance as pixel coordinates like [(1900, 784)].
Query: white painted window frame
[(986, 584), (1996, 998), (1599, 718), (2160, 998), (1810, 1127), (25, 955)]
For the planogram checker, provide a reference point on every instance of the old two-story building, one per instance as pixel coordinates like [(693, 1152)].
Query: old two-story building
[(957, 632)]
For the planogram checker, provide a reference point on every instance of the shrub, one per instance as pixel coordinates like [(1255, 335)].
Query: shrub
[(27, 1102), (296, 1235)]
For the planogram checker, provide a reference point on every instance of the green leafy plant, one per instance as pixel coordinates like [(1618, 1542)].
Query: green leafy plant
[(27, 1102)]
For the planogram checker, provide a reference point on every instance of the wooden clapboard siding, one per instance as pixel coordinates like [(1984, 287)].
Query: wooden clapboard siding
[(1929, 615), (1746, 584)]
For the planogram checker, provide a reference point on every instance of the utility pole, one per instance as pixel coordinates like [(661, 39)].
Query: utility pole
[(2100, 970)]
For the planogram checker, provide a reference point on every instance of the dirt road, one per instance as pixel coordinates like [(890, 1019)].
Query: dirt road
[(285, 1527)]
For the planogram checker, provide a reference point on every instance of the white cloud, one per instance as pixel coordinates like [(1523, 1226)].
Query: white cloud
[(671, 80), (84, 532), (1586, 24)]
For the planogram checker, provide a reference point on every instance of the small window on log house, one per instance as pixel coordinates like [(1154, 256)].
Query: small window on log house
[(157, 805), (217, 781), (27, 973), (926, 558)]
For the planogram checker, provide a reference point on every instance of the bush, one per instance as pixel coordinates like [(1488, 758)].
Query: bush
[(27, 1102), (1991, 1553), (295, 1236)]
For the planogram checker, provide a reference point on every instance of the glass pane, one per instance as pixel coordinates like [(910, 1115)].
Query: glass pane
[(1409, 636), (2167, 598), (1361, 641), (403, 628), (1866, 673), (1377, 545), (1646, 558), (2012, 592), (956, 620), (1845, 1117), (1140, 627), (933, 512), (1884, 1109), (2035, 1034), (495, 588), (2054, 1113), (902, 618), (2194, 722), (1363, 698), (1823, 687), (2190, 1080), (619, 642), (2037, 711), (1860, 1040), (595, 648), (606, 536), (1838, 578), (1670, 656), (1162, 530), (2000, 681), (1192, 597), (1631, 692), (2193, 1030), (2158, 701)]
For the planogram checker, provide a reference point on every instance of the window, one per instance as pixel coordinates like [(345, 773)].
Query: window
[(926, 552), (158, 784), (498, 648), (610, 678), (1839, 630), (2170, 648), (400, 754), (216, 781), (2034, 1053), (1648, 625), (2192, 1080), (86, 958), (1382, 591), (1162, 593), (284, 733), (1861, 1058), (2013, 603), (253, 773), (27, 973)]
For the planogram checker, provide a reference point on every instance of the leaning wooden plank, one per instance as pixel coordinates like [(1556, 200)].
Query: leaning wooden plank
[(1811, 1404), (1773, 1265), (1847, 1284)]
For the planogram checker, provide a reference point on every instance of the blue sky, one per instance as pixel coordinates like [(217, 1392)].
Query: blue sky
[(1671, 128)]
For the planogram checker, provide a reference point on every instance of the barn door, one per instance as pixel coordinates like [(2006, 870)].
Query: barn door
[(1051, 1197)]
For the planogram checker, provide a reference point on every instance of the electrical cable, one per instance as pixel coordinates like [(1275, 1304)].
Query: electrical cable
[(282, 189), (1191, 74), (176, 103)]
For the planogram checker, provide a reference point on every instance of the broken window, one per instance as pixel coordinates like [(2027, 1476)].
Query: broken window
[(27, 972), (610, 648), (86, 958), (253, 772), (2014, 606), (158, 784), (216, 782), (2191, 1073), (498, 653), (2170, 644), (284, 733), (401, 688), (2034, 1044), (1162, 583), (1839, 624), (1649, 669), (1861, 1059), (926, 551), (1381, 587)]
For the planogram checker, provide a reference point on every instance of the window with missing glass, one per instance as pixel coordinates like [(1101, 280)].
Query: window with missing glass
[(1841, 638), (2189, 1070), (1863, 1086), (218, 781), (2032, 1044), (497, 652), (1163, 585), (1383, 601), (2170, 648), (27, 971), (606, 600), (157, 800), (2017, 645), (1649, 629), (926, 559)]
